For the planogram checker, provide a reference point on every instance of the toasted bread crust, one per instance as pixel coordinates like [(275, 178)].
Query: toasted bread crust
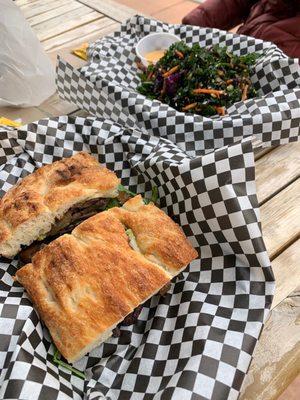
[(162, 242), (85, 283), (52, 188)]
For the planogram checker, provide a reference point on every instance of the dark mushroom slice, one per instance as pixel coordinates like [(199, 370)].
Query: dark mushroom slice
[(73, 217)]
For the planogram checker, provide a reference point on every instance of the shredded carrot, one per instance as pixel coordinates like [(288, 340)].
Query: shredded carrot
[(229, 81), (163, 90), (245, 93), (189, 106), (150, 75), (208, 91), (171, 71), (179, 54), (220, 110), (141, 66)]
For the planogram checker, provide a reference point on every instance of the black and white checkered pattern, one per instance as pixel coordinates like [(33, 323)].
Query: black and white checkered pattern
[(107, 87), (196, 342)]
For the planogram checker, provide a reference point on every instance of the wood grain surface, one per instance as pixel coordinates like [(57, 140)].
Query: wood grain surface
[(63, 8), (117, 12), (31, 9), (66, 22), (86, 33), (280, 219), (276, 170), (286, 268), (276, 356)]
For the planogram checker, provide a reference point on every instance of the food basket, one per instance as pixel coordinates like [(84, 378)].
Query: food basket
[(106, 86)]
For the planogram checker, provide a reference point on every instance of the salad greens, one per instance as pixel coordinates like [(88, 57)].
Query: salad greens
[(123, 189), (199, 80), (154, 196)]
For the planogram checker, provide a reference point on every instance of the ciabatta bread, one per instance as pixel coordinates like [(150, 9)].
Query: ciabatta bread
[(31, 209), (84, 283)]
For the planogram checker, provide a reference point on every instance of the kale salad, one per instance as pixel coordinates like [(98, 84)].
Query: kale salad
[(199, 80)]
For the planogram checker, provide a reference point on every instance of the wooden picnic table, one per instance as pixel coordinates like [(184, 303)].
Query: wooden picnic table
[(62, 25)]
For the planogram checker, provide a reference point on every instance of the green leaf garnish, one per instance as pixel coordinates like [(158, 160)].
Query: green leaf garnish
[(113, 203), (58, 361), (154, 196), (130, 234), (122, 188)]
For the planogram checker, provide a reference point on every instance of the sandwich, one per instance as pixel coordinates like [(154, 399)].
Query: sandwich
[(52, 200), (84, 283)]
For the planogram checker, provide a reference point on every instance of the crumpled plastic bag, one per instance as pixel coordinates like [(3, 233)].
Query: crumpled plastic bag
[(27, 77)]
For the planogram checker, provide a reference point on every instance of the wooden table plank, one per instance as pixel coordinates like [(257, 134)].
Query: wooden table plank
[(260, 152), (292, 391), (65, 22), (55, 106), (276, 169), (111, 9), (276, 359), (286, 268), (41, 6), (280, 219), (26, 114), (86, 33), (24, 2), (49, 14)]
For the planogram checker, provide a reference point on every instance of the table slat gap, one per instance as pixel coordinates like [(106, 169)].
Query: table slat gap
[(80, 113), (26, 114), (55, 106), (284, 284), (116, 11), (67, 26), (276, 170), (71, 29), (260, 152), (85, 33), (25, 3), (38, 8), (275, 193), (21, 3), (275, 362), (280, 219), (284, 247), (54, 13)]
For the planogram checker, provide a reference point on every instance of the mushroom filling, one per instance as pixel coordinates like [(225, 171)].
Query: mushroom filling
[(73, 217), (76, 214)]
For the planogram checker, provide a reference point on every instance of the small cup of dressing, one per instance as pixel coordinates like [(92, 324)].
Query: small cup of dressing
[(152, 47)]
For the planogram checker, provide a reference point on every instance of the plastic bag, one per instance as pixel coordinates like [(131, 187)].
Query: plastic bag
[(27, 76)]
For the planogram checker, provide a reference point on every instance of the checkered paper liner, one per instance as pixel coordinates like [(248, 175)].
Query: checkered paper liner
[(107, 85), (197, 341)]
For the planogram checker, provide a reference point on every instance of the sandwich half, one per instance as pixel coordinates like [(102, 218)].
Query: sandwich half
[(85, 283), (54, 197)]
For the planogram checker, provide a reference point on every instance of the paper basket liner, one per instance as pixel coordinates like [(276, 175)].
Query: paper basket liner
[(197, 341)]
